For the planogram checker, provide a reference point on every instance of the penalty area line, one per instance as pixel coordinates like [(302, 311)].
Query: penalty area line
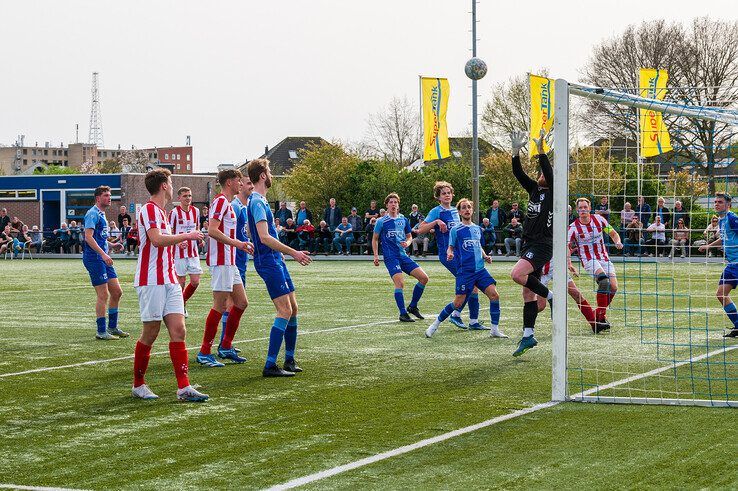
[(35, 488)]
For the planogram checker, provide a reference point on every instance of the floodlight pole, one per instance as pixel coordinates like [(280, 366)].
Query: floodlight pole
[(475, 142)]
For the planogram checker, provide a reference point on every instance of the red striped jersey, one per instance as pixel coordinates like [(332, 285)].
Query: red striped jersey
[(220, 254), (155, 264), (183, 222), (588, 238)]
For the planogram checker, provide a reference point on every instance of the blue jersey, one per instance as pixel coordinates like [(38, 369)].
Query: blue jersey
[(467, 243), (449, 216), (242, 257), (729, 235), (391, 232), (257, 210), (95, 219)]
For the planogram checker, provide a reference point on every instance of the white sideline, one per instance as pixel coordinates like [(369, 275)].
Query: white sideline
[(130, 357), (35, 488), (301, 481)]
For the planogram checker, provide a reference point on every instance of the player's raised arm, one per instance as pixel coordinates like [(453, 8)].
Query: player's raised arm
[(518, 140), (431, 221), (546, 168)]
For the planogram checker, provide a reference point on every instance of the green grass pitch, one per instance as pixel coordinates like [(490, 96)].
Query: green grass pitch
[(370, 385)]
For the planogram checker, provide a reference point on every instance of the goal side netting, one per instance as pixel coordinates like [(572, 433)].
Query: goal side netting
[(661, 339)]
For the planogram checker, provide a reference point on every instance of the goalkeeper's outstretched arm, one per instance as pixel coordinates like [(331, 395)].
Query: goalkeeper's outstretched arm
[(518, 140)]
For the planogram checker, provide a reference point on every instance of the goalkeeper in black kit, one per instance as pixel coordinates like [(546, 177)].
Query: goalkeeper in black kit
[(537, 247)]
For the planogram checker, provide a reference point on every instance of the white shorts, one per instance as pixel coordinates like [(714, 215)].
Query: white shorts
[(592, 265), (222, 278), (157, 301), (187, 265), (546, 278)]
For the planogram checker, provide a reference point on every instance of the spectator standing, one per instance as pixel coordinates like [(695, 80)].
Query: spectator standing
[(680, 212), (62, 235), (489, 235), (332, 214), (369, 230), (343, 236), (325, 236), (633, 237), (121, 215), (5, 219), (357, 224), (204, 213), (75, 237), (710, 235), (663, 212), (515, 213), (496, 215), (658, 235), (283, 213), (303, 213), (643, 210), (37, 238), (603, 209), (124, 231), (204, 230), (515, 236), (680, 238), (372, 212), (305, 239)]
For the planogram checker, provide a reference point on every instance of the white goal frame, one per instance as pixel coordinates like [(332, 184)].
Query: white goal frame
[(559, 379)]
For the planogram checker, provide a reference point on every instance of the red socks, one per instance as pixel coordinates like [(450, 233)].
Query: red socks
[(141, 356), (211, 329), (587, 311), (188, 291), (603, 301), (178, 354), (234, 318)]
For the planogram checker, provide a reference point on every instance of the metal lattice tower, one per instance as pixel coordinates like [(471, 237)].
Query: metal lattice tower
[(96, 130)]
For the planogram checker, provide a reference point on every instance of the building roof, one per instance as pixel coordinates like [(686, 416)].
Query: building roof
[(284, 154)]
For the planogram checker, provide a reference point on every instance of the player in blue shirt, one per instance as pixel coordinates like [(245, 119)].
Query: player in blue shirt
[(393, 230), (269, 264), (465, 245), (242, 257), (100, 266), (442, 219), (729, 240)]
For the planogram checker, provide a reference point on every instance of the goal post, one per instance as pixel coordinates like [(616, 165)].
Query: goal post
[(666, 343)]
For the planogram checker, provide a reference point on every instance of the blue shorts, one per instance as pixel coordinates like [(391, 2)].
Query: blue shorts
[(450, 265), (730, 275), (402, 264), (100, 273), (465, 282), (277, 279)]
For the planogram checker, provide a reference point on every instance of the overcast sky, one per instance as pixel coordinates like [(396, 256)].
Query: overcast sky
[(239, 75)]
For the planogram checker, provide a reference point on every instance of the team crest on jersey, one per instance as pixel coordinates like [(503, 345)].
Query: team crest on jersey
[(529, 255), (468, 244), (395, 234)]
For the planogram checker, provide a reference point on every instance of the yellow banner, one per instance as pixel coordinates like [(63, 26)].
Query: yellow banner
[(435, 93), (541, 108), (654, 135)]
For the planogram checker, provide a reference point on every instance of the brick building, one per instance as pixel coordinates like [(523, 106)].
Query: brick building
[(47, 200)]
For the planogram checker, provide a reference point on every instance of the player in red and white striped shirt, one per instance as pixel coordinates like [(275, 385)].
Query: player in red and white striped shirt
[(225, 278), (159, 293), (584, 307), (586, 233), (185, 218)]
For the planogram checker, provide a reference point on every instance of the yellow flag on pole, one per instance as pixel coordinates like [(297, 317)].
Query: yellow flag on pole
[(541, 107), (435, 93), (654, 135)]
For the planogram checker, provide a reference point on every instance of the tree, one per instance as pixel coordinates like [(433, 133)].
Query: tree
[(592, 173), (508, 109), (702, 62), (394, 132), (110, 166), (498, 182), (134, 161), (55, 169)]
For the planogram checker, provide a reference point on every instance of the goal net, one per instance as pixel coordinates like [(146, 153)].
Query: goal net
[(661, 339)]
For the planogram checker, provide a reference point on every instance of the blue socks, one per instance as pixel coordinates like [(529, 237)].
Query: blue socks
[(417, 293), (290, 339), (732, 314), (101, 325), (494, 312), (113, 318), (400, 300), (223, 324), (473, 301), (445, 312), (275, 340)]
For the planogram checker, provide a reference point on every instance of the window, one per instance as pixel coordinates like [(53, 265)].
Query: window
[(188, 166), (166, 156), (189, 157), (46, 152), (27, 194), (25, 151), (65, 153), (25, 161), (178, 157), (293, 154), (177, 166)]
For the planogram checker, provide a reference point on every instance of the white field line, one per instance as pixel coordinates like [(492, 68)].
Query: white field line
[(35, 488), (55, 289), (130, 357), (301, 481)]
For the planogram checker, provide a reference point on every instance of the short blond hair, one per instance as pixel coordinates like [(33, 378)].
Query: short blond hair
[(438, 187), (462, 201), (586, 200), (183, 189)]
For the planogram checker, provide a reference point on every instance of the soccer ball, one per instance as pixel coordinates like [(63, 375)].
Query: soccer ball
[(475, 68)]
